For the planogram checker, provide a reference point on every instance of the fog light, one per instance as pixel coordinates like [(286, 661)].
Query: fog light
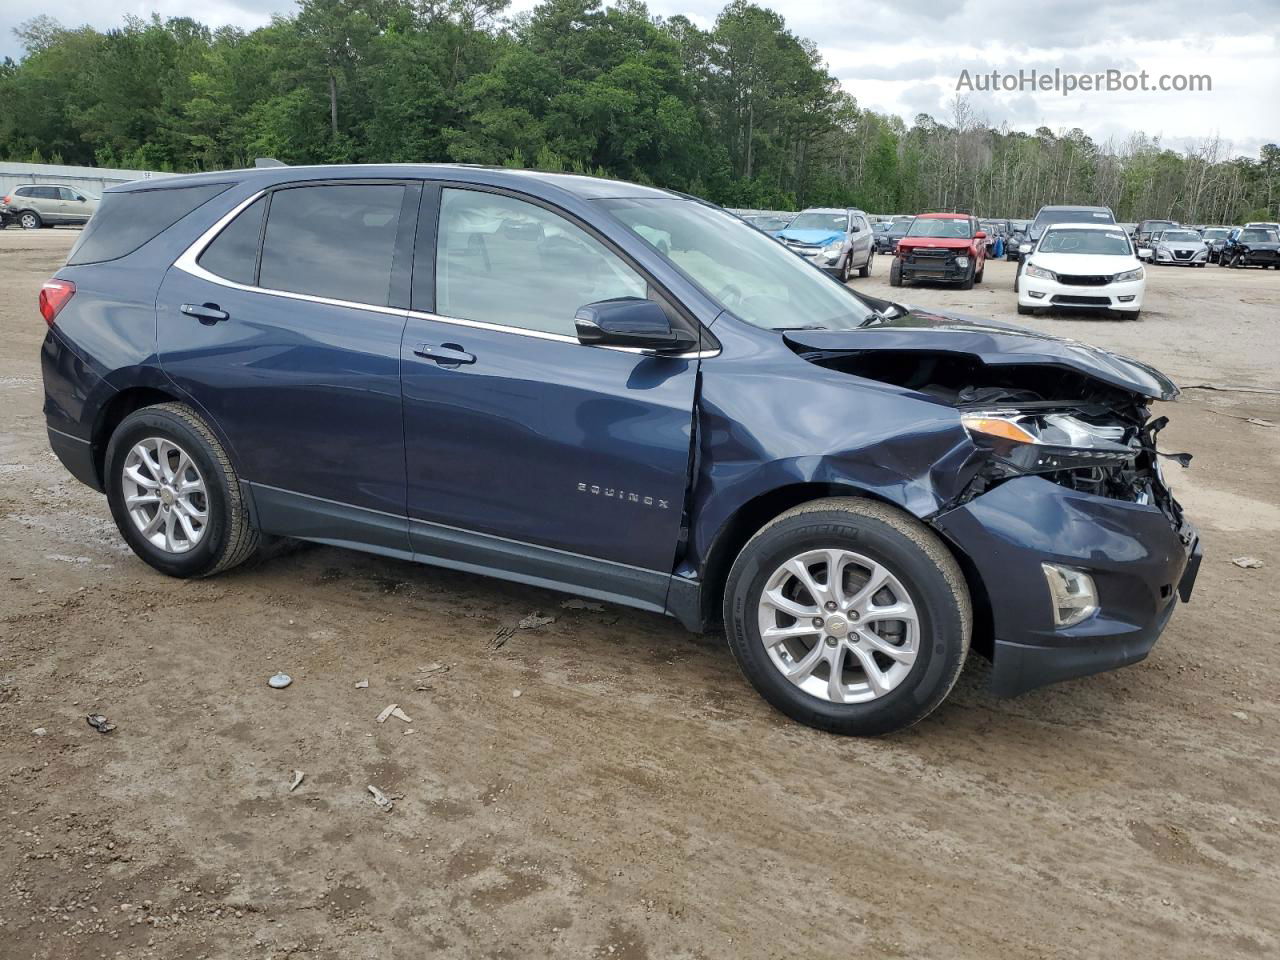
[(1072, 594), (1125, 299), (1035, 294)]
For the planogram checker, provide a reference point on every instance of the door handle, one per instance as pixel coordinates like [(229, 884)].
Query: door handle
[(447, 353), (206, 313)]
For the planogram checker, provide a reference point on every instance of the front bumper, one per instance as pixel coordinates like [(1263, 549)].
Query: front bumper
[(1182, 259), (1140, 564), (940, 269), (1039, 292)]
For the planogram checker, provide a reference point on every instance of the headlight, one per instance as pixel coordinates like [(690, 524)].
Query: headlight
[(1024, 248), (1045, 442), (1128, 275), (962, 261), (1033, 271), (832, 250)]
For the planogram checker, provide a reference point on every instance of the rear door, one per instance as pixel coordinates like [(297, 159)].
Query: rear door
[(861, 239), (285, 329), (526, 450)]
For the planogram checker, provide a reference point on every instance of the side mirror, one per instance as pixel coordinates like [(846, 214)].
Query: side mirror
[(80, 198), (980, 235), (630, 322)]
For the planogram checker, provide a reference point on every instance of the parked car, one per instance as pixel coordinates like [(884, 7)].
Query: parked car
[(838, 241), (1018, 230), (887, 242), (1252, 247), (1079, 266), (35, 205), (1214, 238), (619, 392), (772, 225), (1180, 247), (1145, 234), (946, 247), (994, 229)]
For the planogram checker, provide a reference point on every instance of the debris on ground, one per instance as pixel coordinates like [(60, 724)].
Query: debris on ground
[(515, 693), (298, 776), (362, 684), (393, 710), (1259, 422), (1239, 714), (1247, 563), (502, 636), (100, 722), (1229, 388), (425, 682), (384, 802), (39, 731), (579, 604), (535, 620), (280, 681)]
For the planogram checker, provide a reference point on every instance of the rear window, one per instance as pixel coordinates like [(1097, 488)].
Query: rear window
[(125, 221), (335, 241), (1045, 217)]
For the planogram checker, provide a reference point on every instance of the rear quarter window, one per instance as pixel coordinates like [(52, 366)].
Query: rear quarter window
[(125, 221)]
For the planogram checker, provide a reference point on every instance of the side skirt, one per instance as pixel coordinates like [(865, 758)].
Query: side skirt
[(289, 514)]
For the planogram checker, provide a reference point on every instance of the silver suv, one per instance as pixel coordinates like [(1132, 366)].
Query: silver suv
[(35, 205), (839, 240)]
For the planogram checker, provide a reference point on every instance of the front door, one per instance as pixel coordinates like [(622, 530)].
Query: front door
[(565, 464), (287, 338)]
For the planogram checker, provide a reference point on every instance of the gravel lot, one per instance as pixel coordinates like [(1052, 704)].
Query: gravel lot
[(636, 799)]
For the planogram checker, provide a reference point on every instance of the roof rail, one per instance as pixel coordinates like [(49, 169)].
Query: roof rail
[(268, 162)]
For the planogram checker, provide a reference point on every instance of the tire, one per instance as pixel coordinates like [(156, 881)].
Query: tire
[(865, 269), (1025, 311), (226, 536), (977, 277), (30, 220), (921, 569), (895, 273), (846, 269), (967, 282)]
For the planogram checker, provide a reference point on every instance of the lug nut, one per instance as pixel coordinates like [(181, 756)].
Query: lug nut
[(818, 621), (853, 615), (831, 641), (831, 606)]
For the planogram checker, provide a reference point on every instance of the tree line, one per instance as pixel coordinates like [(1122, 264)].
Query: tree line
[(746, 113)]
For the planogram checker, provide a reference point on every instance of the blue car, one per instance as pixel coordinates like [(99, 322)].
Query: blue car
[(623, 393)]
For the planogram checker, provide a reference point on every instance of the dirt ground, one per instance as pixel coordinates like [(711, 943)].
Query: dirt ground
[(636, 799)]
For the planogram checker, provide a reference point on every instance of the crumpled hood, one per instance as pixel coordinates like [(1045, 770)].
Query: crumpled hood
[(947, 243), (994, 344), (817, 237)]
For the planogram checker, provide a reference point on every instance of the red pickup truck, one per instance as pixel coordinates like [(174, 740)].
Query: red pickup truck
[(948, 247)]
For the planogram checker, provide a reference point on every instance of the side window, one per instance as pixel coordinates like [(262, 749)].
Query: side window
[(22, 192), (504, 261), (233, 254), (44, 193), (65, 194), (335, 240)]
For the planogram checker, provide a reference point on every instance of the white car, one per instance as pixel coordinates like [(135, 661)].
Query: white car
[(1081, 266)]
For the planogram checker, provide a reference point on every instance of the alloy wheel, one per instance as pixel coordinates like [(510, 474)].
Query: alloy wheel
[(839, 625), (165, 495)]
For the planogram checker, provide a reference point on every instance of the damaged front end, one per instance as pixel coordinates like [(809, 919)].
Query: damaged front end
[(1060, 509)]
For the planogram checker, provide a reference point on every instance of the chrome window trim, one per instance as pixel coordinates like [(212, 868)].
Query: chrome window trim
[(188, 262)]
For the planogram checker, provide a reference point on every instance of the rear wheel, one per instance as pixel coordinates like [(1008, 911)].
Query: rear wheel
[(174, 495), (849, 616), (30, 220)]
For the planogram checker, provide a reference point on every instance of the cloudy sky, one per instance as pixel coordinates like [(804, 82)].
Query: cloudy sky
[(906, 58)]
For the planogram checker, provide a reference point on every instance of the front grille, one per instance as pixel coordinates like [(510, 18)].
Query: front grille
[(1072, 301), (1183, 254), (1083, 280), (930, 253)]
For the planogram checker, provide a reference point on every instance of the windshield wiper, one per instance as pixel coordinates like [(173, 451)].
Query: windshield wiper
[(807, 326)]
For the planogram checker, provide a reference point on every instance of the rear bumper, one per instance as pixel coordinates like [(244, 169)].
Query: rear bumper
[(1139, 563), (77, 456)]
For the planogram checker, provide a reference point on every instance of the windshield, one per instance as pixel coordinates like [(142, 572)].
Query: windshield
[(1046, 217), (1254, 235), (1149, 226), (956, 228), (900, 228), (813, 220), (1216, 234), (754, 276), (769, 223), (1181, 236), (1106, 242)]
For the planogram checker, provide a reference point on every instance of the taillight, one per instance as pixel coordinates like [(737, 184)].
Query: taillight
[(5, 199), (53, 297)]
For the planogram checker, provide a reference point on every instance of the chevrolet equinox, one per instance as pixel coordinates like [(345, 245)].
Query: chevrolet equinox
[(623, 393)]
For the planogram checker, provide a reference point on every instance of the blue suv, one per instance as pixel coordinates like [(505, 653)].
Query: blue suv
[(628, 394)]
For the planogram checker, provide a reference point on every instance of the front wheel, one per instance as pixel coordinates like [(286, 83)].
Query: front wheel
[(849, 616), (967, 282), (977, 277), (174, 495), (865, 269), (895, 273)]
